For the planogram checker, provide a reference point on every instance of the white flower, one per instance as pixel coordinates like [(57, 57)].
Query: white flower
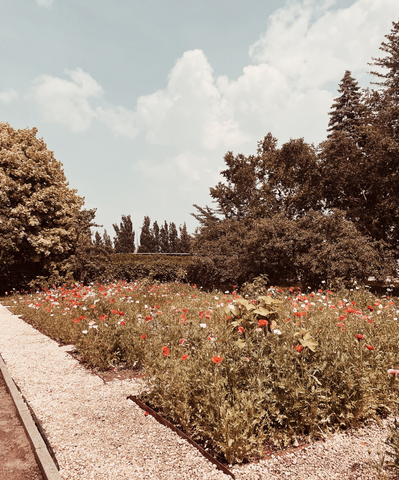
[(379, 312), (84, 331), (277, 331), (226, 291), (202, 325), (84, 308)]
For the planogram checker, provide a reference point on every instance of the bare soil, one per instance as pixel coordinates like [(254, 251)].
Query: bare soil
[(17, 461)]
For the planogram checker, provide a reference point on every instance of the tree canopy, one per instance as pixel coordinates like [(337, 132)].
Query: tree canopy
[(40, 216)]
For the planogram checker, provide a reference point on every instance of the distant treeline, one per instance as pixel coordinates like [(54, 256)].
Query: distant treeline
[(155, 239)]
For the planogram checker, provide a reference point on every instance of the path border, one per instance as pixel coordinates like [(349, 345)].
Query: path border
[(43, 457)]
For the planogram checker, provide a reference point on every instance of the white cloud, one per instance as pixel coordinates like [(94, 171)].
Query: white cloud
[(65, 101), (7, 96), (306, 48), (44, 3)]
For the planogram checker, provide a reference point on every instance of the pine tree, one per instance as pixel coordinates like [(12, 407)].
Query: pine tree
[(155, 237), (146, 240), (174, 243), (124, 238), (185, 239), (348, 111)]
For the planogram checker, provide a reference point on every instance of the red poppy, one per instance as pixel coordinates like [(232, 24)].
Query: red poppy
[(76, 320), (185, 310), (183, 318), (114, 311), (370, 308), (370, 347), (143, 336), (123, 323), (299, 348), (209, 338), (148, 318), (217, 359), (241, 329), (146, 414), (201, 314), (340, 324), (165, 351), (82, 317), (359, 337), (184, 357), (183, 340), (92, 306), (263, 322)]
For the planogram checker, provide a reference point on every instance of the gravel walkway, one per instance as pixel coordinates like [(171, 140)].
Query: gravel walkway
[(97, 434)]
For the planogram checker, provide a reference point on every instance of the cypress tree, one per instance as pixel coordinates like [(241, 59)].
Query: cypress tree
[(155, 237), (185, 239), (164, 238), (124, 238), (174, 246), (146, 240)]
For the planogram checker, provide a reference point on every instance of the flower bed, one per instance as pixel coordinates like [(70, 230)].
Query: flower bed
[(241, 375)]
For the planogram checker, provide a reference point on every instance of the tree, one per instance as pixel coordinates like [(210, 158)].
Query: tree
[(348, 111), (98, 241), (174, 243), (185, 239), (146, 240), (155, 237), (124, 238), (39, 213), (107, 240), (164, 238)]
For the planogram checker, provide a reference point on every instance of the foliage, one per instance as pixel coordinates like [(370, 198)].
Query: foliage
[(239, 374), (146, 241), (40, 216), (124, 236)]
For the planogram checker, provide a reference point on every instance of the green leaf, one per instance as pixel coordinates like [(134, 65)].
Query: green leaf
[(309, 342), (262, 311)]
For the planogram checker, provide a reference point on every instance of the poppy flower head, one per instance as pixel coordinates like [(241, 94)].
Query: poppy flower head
[(76, 320), (143, 336), (359, 337), (165, 351), (217, 359), (263, 322), (370, 347), (148, 318), (184, 357), (241, 329), (299, 348), (183, 340)]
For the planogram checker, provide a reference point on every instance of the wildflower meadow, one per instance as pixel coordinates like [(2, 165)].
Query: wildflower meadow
[(243, 374)]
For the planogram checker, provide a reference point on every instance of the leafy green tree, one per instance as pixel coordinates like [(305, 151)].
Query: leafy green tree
[(146, 240), (39, 213), (164, 238), (124, 235)]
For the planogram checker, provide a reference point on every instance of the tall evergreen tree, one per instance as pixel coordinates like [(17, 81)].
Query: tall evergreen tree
[(348, 111), (164, 238), (383, 142), (155, 237), (146, 240), (185, 239), (124, 235), (174, 246)]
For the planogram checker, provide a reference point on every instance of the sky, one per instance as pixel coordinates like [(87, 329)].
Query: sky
[(140, 101)]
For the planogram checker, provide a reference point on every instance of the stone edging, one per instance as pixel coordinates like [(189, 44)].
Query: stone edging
[(43, 457)]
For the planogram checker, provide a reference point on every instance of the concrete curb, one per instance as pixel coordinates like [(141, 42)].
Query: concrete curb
[(43, 458)]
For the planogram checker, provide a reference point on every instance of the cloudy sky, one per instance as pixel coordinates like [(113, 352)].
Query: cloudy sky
[(141, 100)]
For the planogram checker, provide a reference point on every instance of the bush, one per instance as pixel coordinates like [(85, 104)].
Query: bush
[(239, 375)]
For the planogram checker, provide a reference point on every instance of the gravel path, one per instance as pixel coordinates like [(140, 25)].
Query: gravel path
[(97, 434)]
